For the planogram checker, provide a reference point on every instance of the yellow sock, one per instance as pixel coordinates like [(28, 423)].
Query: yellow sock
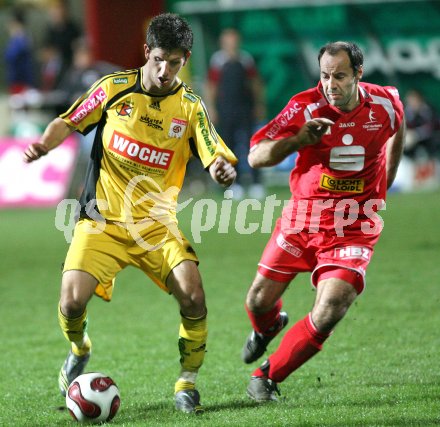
[(181, 384), (75, 331), (192, 347), (83, 347)]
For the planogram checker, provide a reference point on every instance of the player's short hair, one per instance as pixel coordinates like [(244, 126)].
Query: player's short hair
[(169, 31), (353, 51)]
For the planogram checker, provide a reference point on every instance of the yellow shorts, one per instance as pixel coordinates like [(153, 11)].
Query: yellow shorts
[(103, 250)]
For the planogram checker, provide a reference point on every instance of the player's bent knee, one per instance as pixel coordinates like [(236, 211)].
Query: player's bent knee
[(76, 290), (192, 304), (71, 308), (264, 294), (255, 300), (72, 304), (326, 314), (331, 307)]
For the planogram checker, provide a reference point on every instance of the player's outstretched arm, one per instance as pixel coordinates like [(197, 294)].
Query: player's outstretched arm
[(271, 152), (222, 172), (394, 153), (55, 133)]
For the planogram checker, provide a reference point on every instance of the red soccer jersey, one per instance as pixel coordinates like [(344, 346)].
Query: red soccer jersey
[(350, 161)]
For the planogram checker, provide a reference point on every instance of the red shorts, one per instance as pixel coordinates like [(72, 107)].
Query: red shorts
[(287, 255)]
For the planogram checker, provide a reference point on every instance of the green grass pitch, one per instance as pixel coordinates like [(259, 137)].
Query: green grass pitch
[(380, 368)]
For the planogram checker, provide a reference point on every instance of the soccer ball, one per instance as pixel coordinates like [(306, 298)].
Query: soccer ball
[(93, 398)]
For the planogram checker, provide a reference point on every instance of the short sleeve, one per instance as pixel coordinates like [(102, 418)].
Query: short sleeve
[(207, 141)]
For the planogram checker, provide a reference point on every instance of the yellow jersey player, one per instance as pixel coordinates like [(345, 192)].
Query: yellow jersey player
[(148, 125)]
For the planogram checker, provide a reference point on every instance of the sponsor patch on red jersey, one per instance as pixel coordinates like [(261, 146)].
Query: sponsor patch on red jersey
[(351, 252), (288, 247), (345, 185), (88, 106), (140, 152)]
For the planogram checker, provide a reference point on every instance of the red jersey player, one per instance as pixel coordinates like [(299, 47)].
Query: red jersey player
[(349, 139)]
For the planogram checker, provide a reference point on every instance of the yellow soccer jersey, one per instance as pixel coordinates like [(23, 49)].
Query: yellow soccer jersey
[(142, 145)]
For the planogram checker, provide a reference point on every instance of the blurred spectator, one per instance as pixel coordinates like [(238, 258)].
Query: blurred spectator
[(422, 126), (18, 55), (60, 35), (77, 79), (51, 67), (234, 93), (82, 73)]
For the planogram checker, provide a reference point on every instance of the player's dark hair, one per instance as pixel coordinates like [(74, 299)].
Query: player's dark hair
[(353, 51), (169, 31)]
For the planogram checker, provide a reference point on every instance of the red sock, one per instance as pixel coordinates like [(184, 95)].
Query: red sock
[(263, 323), (301, 342)]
